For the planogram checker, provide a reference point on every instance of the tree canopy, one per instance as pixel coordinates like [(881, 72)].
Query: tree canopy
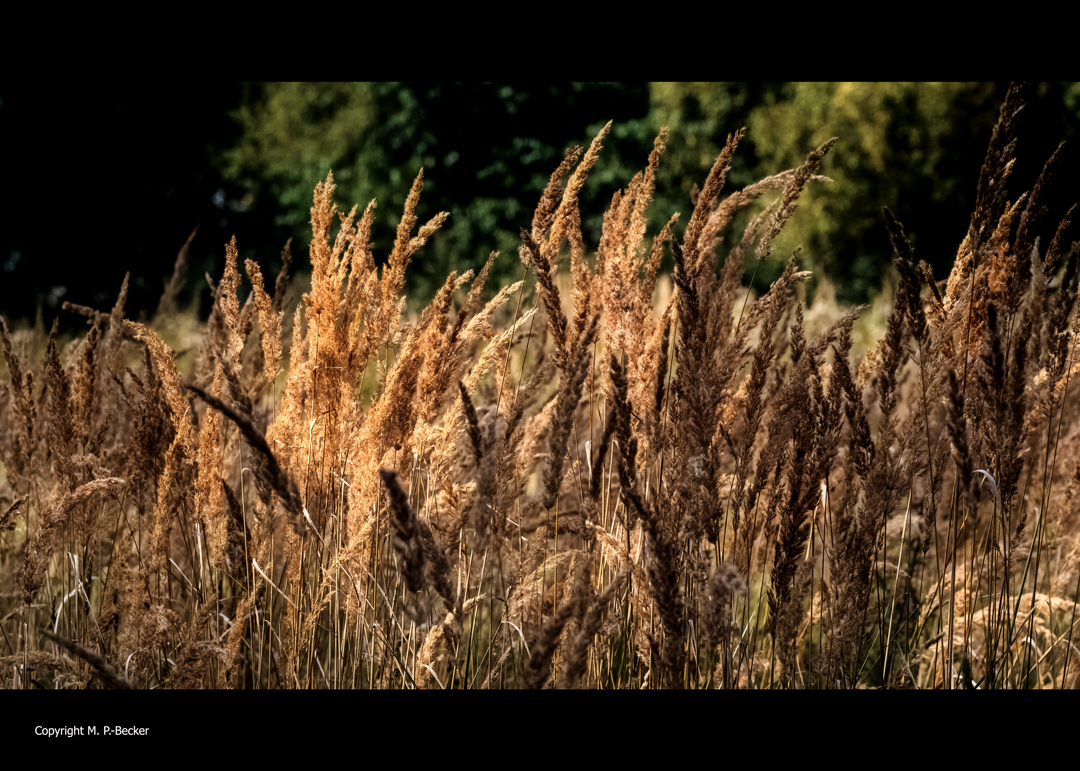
[(487, 151), (136, 170)]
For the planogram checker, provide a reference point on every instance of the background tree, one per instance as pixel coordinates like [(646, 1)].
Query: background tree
[(913, 147), (114, 178), (487, 150)]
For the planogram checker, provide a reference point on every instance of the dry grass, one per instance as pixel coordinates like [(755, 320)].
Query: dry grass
[(577, 488)]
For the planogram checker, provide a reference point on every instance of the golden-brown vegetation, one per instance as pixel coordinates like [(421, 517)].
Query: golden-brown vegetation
[(581, 489)]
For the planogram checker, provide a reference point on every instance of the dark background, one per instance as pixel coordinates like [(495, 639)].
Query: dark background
[(111, 179)]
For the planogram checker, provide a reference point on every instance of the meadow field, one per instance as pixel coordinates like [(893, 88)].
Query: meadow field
[(600, 476)]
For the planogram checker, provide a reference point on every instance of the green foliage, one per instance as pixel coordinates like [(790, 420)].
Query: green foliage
[(913, 147), (910, 146), (377, 136), (699, 116), (297, 125)]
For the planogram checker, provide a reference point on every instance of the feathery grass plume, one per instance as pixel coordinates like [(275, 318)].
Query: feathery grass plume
[(237, 543), (619, 416), (691, 341), (722, 214), (569, 392), (393, 279), (597, 476), (1057, 327), (288, 430), (644, 196), (1006, 277), (244, 611), (141, 458), (83, 394), (269, 322), (479, 326), (145, 627), (664, 587), (436, 380), (544, 215), (336, 352), (7, 519), (209, 499), (497, 464), (1035, 213), (435, 648), (612, 233), (959, 276), (659, 378), (714, 183), (526, 595), (543, 649), (326, 261), (724, 585), (438, 568), (455, 355), (393, 417), (167, 304), (791, 194), (585, 300), (167, 491), (786, 624), (94, 316), (236, 390), (517, 452), (564, 213), (61, 420), (908, 290), (281, 283), (165, 365), (770, 308), (270, 473), (647, 286), (116, 332), (474, 299), (990, 194), (577, 657), (39, 549), (892, 349), (877, 468), (191, 664), (1054, 249), (625, 286), (230, 304), (473, 425), (406, 537), (550, 294), (101, 668), (991, 381), (22, 395), (791, 501), (937, 302), (930, 358), (613, 280), (1027, 339)]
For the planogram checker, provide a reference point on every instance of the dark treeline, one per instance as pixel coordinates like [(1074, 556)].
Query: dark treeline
[(114, 178)]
